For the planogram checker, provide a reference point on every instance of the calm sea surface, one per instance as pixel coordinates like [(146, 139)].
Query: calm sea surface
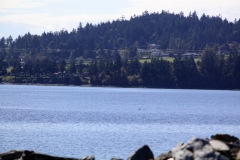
[(111, 122)]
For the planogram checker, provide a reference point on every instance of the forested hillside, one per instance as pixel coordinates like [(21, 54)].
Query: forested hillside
[(165, 29), (108, 53)]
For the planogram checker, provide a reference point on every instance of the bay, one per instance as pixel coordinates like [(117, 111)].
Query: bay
[(111, 122)]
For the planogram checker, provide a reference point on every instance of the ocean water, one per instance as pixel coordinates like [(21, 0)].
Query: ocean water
[(111, 122)]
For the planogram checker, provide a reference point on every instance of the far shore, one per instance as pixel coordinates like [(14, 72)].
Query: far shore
[(89, 85)]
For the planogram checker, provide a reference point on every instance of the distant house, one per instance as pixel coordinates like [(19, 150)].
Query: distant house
[(191, 54), (164, 54), (155, 52), (60, 74), (153, 46), (141, 51)]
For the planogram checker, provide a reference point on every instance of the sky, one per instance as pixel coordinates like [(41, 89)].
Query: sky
[(18, 17)]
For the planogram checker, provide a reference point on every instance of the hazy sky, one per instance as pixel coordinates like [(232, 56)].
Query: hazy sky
[(18, 17)]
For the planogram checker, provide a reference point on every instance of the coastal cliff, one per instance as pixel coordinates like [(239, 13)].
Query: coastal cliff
[(218, 147)]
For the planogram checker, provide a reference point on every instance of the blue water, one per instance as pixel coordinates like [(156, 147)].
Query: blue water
[(111, 122)]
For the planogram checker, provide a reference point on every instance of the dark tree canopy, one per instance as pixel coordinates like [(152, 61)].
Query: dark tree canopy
[(107, 53), (166, 29)]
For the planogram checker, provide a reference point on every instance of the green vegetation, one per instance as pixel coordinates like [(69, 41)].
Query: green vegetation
[(113, 53), (170, 59), (145, 60), (8, 78), (9, 69)]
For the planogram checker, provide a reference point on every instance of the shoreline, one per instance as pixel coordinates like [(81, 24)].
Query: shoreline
[(101, 86), (218, 146)]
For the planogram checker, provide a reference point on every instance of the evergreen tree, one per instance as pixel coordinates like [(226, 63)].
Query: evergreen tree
[(72, 68)]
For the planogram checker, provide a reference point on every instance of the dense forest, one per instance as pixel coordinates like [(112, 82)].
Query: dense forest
[(108, 53)]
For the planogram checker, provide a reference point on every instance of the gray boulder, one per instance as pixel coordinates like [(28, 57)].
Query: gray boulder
[(180, 152), (183, 154), (29, 155), (219, 145), (238, 155), (178, 147), (143, 153), (237, 142), (207, 152), (11, 155), (199, 149), (88, 158), (164, 156), (225, 138), (195, 144)]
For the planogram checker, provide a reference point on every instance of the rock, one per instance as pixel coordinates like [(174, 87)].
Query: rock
[(183, 154), (178, 147), (238, 155), (225, 138), (219, 145), (201, 149), (27, 155), (143, 153), (206, 152), (237, 142), (30, 155), (11, 155), (164, 156), (201, 155), (88, 158), (180, 152), (195, 144), (234, 152), (39, 156)]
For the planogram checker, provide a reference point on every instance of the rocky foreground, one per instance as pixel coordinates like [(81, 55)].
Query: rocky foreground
[(219, 147)]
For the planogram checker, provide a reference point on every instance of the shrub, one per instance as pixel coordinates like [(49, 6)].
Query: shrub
[(34, 80)]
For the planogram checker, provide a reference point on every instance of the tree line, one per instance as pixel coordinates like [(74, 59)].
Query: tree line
[(212, 71), (168, 30), (100, 44)]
